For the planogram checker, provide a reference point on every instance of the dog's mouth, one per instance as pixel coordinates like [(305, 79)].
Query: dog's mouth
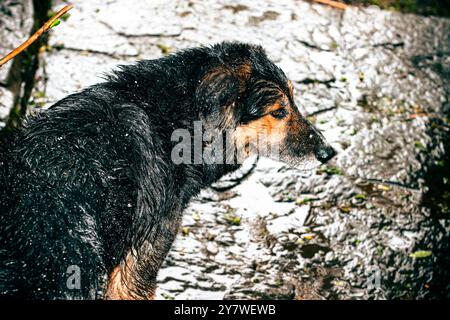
[(306, 163), (309, 161)]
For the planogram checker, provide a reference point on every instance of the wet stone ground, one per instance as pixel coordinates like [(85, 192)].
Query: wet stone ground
[(372, 224), (16, 20)]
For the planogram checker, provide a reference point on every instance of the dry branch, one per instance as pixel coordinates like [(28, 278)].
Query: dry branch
[(334, 4), (36, 35)]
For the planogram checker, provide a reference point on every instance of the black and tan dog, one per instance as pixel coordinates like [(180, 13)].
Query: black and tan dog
[(91, 199)]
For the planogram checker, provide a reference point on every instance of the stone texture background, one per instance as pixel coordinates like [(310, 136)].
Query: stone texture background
[(375, 82), (16, 20)]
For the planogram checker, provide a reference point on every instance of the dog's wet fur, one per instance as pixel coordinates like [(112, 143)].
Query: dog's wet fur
[(90, 183)]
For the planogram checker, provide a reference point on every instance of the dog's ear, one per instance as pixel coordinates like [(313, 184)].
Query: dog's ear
[(219, 93)]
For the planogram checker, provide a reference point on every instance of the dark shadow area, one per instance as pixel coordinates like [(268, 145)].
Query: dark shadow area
[(437, 197)]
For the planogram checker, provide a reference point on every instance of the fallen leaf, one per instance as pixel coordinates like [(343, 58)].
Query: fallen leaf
[(384, 187), (309, 236), (344, 209), (421, 254)]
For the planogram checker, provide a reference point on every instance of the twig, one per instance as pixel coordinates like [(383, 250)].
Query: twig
[(315, 113), (36, 35), (334, 4), (388, 182)]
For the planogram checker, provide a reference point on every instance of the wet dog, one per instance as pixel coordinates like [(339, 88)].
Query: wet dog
[(91, 196)]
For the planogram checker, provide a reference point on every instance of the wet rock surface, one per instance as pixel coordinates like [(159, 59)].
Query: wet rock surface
[(371, 224)]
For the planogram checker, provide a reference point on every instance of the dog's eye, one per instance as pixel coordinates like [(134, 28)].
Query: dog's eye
[(279, 113)]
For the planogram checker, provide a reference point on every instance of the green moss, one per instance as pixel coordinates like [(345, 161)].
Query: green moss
[(167, 296), (334, 45), (330, 170), (233, 219), (419, 146), (300, 202), (440, 163), (344, 209), (164, 49), (361, 76), (360, 197), (279, 282)]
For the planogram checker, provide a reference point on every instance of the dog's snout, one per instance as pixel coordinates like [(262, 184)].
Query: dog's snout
[(325, 153)]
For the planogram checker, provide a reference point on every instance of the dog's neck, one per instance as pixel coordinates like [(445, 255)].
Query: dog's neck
[(212, 173)]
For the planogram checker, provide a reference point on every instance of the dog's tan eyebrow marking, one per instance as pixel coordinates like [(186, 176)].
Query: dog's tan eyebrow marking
[(291, 89), (244, 71), (279, 104), (216, 72), (241, 72)]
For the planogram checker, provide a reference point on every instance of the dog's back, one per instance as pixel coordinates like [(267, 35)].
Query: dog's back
[(80, 179), (46, 207), (58, 173)]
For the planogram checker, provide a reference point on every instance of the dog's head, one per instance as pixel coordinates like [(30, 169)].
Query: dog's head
[(244, 93)]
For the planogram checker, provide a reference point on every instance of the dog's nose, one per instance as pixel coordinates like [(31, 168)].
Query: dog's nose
[(325, 153)]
